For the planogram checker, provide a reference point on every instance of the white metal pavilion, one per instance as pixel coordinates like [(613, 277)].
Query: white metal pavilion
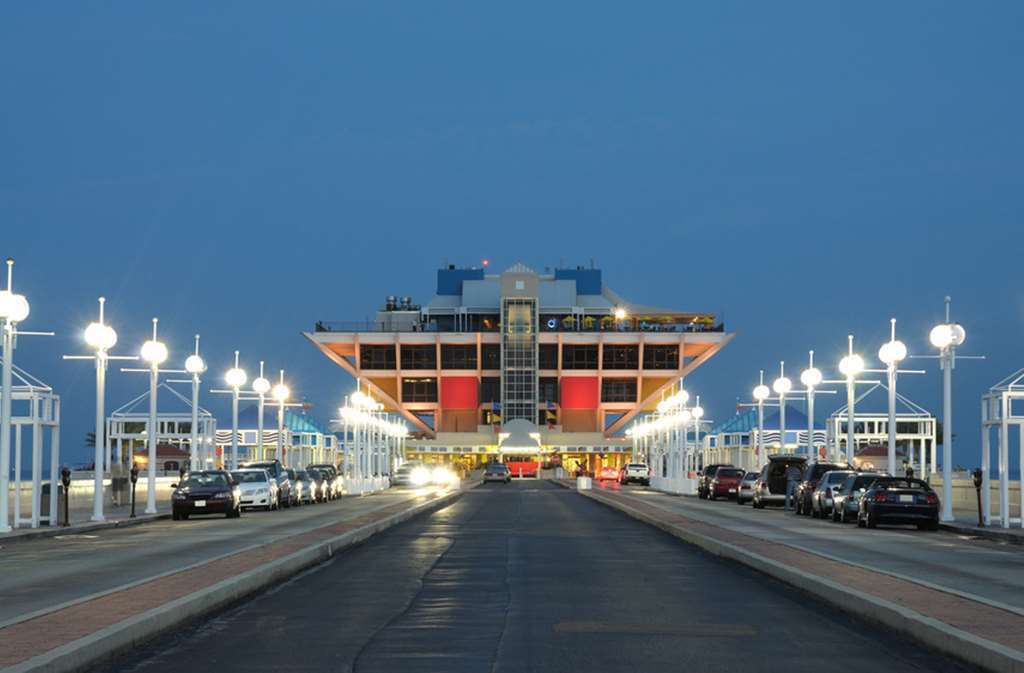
[(1002, 407), (126, 428), (35, 408), (915, 429)]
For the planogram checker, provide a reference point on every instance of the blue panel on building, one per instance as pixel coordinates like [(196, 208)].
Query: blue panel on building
[(449, 281), (588, 281)]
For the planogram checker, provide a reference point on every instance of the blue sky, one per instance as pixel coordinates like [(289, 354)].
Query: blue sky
[(244, 169)]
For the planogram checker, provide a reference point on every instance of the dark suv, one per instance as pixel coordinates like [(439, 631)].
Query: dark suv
[(706, 475), (286, 494), (809, 481), (770, 487)]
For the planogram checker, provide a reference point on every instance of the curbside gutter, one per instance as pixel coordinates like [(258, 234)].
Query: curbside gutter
[(24, 535), (933, 633), (85, 653)]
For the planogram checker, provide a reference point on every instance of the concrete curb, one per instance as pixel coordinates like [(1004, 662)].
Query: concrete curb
[(87, 652), (994, 534), (933, 633), (79, 528)]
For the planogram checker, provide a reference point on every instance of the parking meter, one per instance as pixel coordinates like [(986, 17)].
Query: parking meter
[(134, 476), (978, 479), (65, 480)]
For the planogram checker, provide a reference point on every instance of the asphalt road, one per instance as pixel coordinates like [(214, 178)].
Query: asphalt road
[(39, 574), (529, 577)]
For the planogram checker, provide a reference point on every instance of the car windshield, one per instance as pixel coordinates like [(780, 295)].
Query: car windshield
[(200, 480), (729, 473), (819, 470), (905, 484), (751, 476), (637, 466), (837, 477), (497, 467), (269, 467), (249, 476), (302, 474)]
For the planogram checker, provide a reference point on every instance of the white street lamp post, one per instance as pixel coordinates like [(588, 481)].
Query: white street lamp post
[(102, 337), (892, 353), (761, 393), (781, 386), (155, 353), (235, 378), (261, 386), (811, 378), (280, 394), (195, 365), (850, 366)]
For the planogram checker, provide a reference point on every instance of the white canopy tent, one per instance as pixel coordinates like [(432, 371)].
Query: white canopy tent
[(1002, 408)]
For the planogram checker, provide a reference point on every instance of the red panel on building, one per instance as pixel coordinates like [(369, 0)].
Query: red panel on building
[(459, 392), (579, 392)]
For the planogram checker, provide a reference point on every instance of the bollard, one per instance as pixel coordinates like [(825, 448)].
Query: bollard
[(65, 480), (977, 474), (135, 478)]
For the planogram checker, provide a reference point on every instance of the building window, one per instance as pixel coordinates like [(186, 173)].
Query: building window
[(547, 417), (661, 357), (458, 357), (419, 357), (547, 356), (376, 357), (618, 390), (490, 356), (490, 389), (621, 357), (547, 389), (579, 357), (419, 390)]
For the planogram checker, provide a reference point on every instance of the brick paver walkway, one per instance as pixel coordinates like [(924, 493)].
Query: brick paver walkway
[(979, 619), (33, 637)]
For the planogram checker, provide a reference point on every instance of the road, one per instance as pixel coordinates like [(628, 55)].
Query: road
[(530, 577), (978, 567), (39, 574)]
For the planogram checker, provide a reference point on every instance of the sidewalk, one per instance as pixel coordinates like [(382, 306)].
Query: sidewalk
[(43, 626), (981, 630)]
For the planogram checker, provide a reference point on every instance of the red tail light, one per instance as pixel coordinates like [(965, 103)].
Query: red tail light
[(881, 496), (933, 499), (828, 492)]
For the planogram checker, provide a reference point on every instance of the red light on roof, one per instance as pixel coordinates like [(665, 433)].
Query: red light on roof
[(486, 262)]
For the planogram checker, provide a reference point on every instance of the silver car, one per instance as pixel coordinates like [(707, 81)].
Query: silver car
[(403, 475), (828, 486), (497, 472), (745, 492), (846, 503), (258, 488)]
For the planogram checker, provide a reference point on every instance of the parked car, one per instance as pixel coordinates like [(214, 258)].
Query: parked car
[(809, 481), (745, 493), (770, 487), (898, 500), (320, 483), (846, 502), (286, 493), (635, 472), (823, 496), (705, 477), (206, 492), (497, 472), (298, 497), (307, 488), (258, 488), (331, 476), (725, 483), (607, 473)]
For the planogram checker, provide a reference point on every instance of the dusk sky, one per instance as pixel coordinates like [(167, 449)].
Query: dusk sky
[(242, 170)]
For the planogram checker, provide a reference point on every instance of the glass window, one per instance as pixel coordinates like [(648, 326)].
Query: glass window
[(621, 357), (377, 357), (419, 390), (576, 356), (490, 389), (547, 389), (458, 356), (419, 357), (618, 390), (547, 356), (490, 356), (661, 357)]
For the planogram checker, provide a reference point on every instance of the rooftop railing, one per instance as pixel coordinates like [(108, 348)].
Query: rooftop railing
[(557, 326)]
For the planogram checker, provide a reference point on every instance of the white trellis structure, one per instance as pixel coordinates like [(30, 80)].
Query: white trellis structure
[(35, 409), (1002, 407), (915, 429), (126, 428)]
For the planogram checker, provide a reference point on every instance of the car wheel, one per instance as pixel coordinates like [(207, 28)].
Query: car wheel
[(184, 517), (711, 496), (860, 521), (933, 525), (175, 516), (835, 516), (870, 521)]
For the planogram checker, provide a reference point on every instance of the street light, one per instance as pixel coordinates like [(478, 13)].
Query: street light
[(781, 386), (850, 367), (891, 354), (101, 337), (235, 378), (196, 366), (811, 378), (261, 386), (697, 412), (761, 393), (280, 393), (155, 353)]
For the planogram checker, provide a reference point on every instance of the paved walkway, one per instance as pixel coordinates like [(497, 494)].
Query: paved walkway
[(798, 542), (59, 590)]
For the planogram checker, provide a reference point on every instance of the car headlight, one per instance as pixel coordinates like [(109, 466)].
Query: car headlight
[(442, 475), (420, 476)]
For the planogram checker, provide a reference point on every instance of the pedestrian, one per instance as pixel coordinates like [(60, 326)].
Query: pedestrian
[(792, 477)]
